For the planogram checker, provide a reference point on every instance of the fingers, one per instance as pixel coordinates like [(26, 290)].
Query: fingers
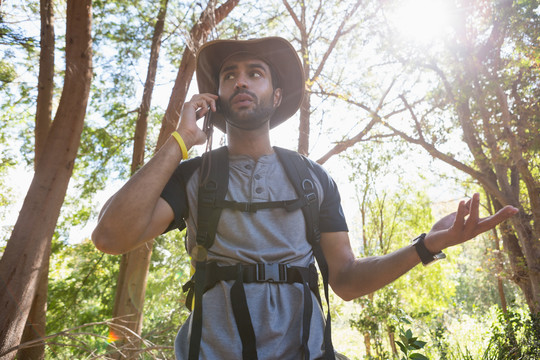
[(202, 103), (490, 222), (465, 224), (462, 211), (474, 225), (194, 109), (473, 210)]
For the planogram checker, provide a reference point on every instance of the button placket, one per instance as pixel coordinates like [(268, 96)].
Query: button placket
[(258, 185)]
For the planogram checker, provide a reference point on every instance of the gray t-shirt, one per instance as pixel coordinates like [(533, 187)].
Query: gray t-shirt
[(266, 236)]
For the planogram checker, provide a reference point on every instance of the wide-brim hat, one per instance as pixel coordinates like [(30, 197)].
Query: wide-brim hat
[(277, 52)]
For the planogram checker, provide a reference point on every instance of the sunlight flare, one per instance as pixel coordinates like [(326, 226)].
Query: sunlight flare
[(420, 20)]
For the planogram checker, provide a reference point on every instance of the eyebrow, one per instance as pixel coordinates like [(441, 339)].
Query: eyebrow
[(254, 65)]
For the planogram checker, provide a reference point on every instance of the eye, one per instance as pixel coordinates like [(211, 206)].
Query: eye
[(229, 76), (256, 74)]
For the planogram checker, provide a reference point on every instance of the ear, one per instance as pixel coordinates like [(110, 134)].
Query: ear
[(277, 97)]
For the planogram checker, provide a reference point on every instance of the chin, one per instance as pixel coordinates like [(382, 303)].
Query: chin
[(248, 125)]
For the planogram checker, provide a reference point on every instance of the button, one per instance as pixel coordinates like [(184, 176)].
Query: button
[(257, 177), (248, 167), (259, 190)]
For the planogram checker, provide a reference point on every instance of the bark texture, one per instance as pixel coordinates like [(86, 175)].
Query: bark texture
[(26, 250)]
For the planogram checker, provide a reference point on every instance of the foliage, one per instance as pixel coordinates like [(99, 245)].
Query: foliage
[(479, 110), (515, 335), (165, 308), (81, 290), (389, 220), (81, 295), (377, 317), (409, 344)]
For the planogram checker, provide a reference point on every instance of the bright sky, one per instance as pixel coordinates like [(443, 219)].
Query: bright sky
[(421, 20)]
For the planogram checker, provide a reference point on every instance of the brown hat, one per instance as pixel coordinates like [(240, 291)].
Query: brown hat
[(277, 52)]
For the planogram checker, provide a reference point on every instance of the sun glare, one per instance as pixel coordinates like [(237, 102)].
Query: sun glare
[(420, 20)]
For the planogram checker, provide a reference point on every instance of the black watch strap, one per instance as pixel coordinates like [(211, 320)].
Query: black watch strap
[(425, 256)]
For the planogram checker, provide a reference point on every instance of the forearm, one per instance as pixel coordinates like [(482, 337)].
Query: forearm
[(366, 275), (135, 214), (124, 221), (351, 278)]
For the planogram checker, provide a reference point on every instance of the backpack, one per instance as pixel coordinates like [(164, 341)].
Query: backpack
[(213, 185)]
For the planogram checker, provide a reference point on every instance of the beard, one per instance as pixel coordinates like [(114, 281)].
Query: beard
[(248, 119)]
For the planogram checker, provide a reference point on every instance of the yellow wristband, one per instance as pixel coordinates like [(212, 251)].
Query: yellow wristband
[(181, 143)]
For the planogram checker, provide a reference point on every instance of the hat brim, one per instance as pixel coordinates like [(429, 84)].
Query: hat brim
[(279, 54)]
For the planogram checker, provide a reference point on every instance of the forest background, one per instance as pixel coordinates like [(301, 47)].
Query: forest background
[(411, 106)]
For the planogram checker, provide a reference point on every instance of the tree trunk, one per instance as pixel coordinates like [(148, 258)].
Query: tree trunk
[(45, 78), (198, 35), (37, 318), (367, 344), (392, 340), (305, 107), (500, 263), (306, 30), (142, 118), (129, 297), (36, 323), (135, 264), (26, 250)]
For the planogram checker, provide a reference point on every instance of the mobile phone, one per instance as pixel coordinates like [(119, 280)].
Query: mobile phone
[(208, 127), (207, 124)]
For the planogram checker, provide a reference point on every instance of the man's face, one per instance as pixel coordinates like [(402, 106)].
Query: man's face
[(247, 96)]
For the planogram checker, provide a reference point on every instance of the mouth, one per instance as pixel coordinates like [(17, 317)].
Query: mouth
[(242, 100)]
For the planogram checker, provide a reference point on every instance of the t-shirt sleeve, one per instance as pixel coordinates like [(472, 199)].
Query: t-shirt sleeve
[(175, 194), (331, 216)]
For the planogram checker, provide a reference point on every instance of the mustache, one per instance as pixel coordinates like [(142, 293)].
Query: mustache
[(243, 91)]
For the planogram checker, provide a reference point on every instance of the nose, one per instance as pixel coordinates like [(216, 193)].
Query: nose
[(241, 82)]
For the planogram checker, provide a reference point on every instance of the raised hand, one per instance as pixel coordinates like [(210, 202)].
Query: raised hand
[(193, 110), (464, 225)]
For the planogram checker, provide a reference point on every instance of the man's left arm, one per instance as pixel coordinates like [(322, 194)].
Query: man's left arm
[(351, 278)]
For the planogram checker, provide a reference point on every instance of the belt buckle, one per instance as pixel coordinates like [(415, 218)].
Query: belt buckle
[(276, 273)]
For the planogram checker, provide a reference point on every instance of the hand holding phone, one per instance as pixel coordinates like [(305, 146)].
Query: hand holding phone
[(207, 124)]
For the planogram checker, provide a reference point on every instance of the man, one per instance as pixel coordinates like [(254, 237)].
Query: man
[(249, 87)]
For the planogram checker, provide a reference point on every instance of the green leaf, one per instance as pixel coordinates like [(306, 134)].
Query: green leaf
[(401, 346), (418, 356)]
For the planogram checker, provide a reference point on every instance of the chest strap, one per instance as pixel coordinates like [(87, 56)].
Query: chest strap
[(251, 207)]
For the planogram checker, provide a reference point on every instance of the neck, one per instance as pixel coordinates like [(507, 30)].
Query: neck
[(253, 143)]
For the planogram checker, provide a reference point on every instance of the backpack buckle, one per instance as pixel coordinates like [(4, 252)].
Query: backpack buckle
[(311, 197), (271, 273)]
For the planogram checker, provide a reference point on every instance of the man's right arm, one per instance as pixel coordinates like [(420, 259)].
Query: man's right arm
[(137, 213)]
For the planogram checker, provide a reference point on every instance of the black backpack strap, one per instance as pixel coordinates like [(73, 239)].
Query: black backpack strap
[(213, 184), (242, 316), (196, 321), (296, 168)]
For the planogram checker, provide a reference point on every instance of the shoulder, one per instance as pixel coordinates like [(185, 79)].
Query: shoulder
[(186, 169), (317, 171)]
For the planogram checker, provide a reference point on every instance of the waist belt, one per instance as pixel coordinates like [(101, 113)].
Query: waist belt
[(251, 273)]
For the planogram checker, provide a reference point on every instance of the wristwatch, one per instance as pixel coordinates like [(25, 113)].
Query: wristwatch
[(426, 256)]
